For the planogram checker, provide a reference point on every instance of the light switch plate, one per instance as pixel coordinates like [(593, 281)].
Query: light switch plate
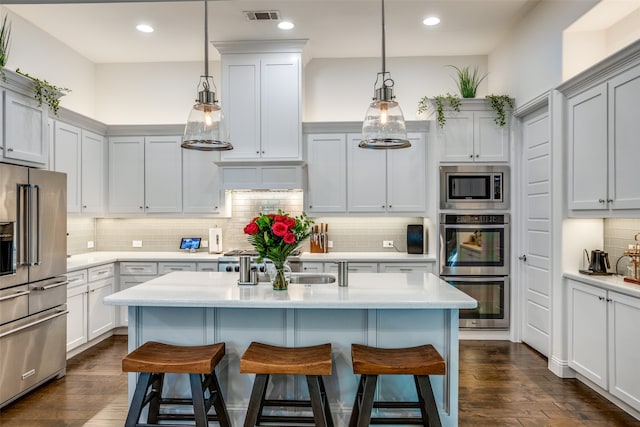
[(90, 244), (204, 243), (136, 243)]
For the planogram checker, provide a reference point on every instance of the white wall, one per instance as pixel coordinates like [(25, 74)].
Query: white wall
[(529, 60), (149, 93), (341, 89), (35, 52)]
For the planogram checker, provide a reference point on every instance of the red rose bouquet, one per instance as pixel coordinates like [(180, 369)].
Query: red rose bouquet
[(276, 236)]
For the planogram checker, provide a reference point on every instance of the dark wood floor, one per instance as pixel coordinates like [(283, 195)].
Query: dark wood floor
[(501, 384)]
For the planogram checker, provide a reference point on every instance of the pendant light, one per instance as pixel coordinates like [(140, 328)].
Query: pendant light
[(383, 126), (206, 129)]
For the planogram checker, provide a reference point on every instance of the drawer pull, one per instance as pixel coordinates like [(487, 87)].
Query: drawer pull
[(37, 322), (29, 373), (51, 286), (16, 295)]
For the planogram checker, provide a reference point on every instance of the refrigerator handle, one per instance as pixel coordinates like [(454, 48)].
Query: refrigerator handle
[(37, 258), (22, 227)]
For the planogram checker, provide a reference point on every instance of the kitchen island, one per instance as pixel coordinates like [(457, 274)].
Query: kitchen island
[(385, 310)]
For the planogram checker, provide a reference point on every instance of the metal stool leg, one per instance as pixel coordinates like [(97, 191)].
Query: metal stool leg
[(144, 381), (256, 400), (428, 405), (197, 397), (325, 402), (366, 406), (315, 396), (218, 401), (157, 381)]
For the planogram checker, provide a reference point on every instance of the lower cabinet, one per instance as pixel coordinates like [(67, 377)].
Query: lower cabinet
[(369, 267), (88, 316), (402, 267), (602, 324), (354, 267), (133, 273)]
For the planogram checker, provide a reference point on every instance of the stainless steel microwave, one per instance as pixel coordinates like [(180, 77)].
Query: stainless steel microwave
[(474, 187)]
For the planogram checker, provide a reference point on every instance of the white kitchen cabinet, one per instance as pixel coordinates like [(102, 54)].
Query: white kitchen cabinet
[(80, 154), (601, 324), (602, 144), (262, 104), (93, 172), (326, 157), (312, 267), (133, 273), (207, 266), (67, 158), (26, 137), (201, 192), (471, 135), (145, 174), (77, 305), (168, 267), (101, 315), (391, 181), (354, 267), (404, 267)]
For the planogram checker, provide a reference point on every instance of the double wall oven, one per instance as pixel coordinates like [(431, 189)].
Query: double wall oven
[(474, 241)]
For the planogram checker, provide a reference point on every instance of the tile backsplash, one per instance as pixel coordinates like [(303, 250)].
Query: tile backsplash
[(618, 235), (363, 234)]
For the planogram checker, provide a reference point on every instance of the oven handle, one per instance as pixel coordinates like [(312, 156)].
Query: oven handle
[(16, 295), (475, 226), (32, 324), (475, 278)]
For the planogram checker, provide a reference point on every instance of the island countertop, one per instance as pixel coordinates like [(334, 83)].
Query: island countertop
[(365, 290)]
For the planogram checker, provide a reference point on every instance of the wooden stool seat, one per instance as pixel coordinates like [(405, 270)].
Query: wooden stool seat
[(265, 360), (420, 361), (158, 357), (153, 360), (262, 358)]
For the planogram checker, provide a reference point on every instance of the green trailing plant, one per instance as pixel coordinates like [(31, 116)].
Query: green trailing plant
[(5, 38), (468, 81), (46, 92), (498, 103), (442, 102)]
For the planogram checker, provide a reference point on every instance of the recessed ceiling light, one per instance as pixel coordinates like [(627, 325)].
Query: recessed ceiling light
[(432, 20), (285, 25), (144, 28)]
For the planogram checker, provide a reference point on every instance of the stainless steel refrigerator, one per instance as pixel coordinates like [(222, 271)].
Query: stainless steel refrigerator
[(33, 286)]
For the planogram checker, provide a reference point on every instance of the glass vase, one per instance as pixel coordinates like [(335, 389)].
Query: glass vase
[(279, 275)]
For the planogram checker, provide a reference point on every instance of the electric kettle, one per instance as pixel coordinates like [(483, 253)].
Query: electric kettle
[(599, 262)]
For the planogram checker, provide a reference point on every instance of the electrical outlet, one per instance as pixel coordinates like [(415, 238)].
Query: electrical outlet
[(387, 243), (90, 244), (204, 243), (136, 243), (330, 244)]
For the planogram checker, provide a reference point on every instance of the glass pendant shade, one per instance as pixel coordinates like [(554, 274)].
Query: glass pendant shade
[(206, 129), (384, 127)]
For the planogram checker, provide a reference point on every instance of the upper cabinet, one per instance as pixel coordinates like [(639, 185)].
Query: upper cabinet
[(602, 128), (81, 155), (145, 174), (471, 135), (25, 130), (261, 99), (326, 190), (200, 190)]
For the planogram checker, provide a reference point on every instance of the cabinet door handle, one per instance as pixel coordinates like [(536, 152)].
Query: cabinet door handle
[(477, 155), (600, 200), (10, 149), (609, 200), (471, 156), (523, 258), (601, 298)]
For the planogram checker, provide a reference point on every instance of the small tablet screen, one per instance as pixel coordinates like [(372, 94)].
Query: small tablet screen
[(190, 243)]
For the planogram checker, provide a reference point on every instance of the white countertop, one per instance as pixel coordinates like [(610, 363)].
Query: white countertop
[(613, 283), (365, 291), (92, 259)]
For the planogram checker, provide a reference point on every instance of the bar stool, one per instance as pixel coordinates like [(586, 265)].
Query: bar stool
[(153, 360), (420, 362), (265, 360)]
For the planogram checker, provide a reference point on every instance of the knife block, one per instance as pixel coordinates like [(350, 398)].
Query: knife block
[(318, 243)]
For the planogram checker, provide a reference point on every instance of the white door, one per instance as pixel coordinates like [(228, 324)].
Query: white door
[(66, 157), (624, 353), (93, 166), (126, 174), (366, 177), (200, 190), (163, 174), (490, 141), (536, 257), (327, 173), (406, 177)]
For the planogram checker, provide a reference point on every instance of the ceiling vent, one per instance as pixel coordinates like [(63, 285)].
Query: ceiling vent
[(262, 15)]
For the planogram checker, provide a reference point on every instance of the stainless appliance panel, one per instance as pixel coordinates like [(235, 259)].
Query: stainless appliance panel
[(47, 294), (482, 187), (10, 178), (32, 350), (474, 245), (492, 294), (14, 303), (49, 237)]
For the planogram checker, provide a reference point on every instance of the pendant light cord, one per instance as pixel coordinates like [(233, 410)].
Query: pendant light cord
[(206, 40), (383, 45)]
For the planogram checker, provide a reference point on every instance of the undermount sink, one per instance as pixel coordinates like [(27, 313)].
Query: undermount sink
[(311, 278)]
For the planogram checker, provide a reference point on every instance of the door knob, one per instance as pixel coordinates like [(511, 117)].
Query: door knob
[(523, 258)]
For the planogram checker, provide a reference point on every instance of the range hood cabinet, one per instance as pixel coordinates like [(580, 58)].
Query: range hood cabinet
[(265, 176)]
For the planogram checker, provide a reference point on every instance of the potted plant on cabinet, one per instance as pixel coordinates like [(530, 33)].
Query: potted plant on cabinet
[(467, 82), (5, 38)]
